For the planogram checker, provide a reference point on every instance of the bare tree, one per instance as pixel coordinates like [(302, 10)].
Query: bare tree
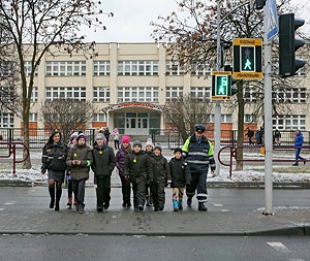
[(67, 115), (35, 26), (184, 112)]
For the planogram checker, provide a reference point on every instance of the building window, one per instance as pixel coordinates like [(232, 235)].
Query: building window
[(141, 94), (101, 68), (28, 69), (173, 93), (100, 117), (250, 94), (101, 94), (145, 68), (173, 68), (33, 117), (66, 68), (7, 68), (289, 122), (289, 95), (249, 118), (201, 93), (201, 70), (78, 93), (6, 120), (34, 94)]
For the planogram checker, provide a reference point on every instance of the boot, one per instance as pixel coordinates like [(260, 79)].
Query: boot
[(148, 201), (69, 204), (189, 201), (202, 207), (175, 206), (58, 196), (180, 205), (52, 194)]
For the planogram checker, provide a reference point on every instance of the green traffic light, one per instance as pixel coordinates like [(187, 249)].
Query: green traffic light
[(221, 85), (247, 58)]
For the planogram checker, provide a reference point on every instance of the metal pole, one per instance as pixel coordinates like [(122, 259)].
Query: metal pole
[(217, 120), (268, 123)]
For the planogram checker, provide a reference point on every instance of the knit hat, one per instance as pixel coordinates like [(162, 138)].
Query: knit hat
[(126, 139), (137, 143), (74, 135), (177, 150), (158, 147), (149, 142), (100, 136), (81, 135)]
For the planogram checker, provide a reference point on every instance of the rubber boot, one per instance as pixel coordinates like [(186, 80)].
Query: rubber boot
[(52, 195), (175, 206), (202, 207), (180, 205), (58, 196)]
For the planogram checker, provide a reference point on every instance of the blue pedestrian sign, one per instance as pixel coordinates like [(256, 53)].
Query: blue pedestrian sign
[(272, 19)]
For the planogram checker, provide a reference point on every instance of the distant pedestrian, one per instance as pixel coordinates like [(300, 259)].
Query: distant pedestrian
[(107, 134), (149, 147), (103, 166), (277, 137), (138, 169), (180, 177), (120, 159), (79, 159), (116, 137), (262, 135), (250, 134), (72, 142), (299, 141), (161, 176), (54, 156), (200, 155), (258, 137)]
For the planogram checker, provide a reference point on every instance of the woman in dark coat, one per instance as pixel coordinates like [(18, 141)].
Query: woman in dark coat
[(54, 156)]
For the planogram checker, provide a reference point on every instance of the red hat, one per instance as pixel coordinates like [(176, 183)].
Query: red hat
[(126, 139)]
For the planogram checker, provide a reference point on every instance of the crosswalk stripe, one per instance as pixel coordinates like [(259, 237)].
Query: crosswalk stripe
[(279, 247), (9, 203), (297, 259), (1, 209), (217, 204)]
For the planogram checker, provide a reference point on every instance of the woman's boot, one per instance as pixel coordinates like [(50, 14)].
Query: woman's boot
[(58, 196), (52, 194)]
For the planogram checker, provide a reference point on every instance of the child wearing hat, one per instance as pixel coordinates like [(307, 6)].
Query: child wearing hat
[(120, 159), (79, 160), (149, 147), (138, 169), (161, 176), (103, 166), (180, 176)]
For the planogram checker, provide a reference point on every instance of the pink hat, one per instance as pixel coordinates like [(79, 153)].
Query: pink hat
[(126, 139)]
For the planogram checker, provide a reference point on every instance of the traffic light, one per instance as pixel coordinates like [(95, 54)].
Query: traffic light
[(259, 4), (247, 58), (288, 45), (229, 68), (221, 85)]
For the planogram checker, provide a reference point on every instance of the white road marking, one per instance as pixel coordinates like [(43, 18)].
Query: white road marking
[(217, 204), (279, 247), (298, 259), (1, 209), (225, 210), (9, 203)]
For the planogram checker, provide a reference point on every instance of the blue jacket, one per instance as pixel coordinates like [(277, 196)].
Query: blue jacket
[(299, 140)]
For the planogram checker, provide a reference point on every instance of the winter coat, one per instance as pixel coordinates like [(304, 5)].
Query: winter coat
[(299, 140), (180, 173), (199, 155), (161, 170), (103, 160), (120, 159), (84, 154), (54, 157), (137, 165)]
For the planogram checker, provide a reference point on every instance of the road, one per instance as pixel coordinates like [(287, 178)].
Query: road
[(117, 248)]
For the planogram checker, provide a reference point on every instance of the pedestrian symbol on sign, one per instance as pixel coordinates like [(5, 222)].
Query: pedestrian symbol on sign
[(247, 58)]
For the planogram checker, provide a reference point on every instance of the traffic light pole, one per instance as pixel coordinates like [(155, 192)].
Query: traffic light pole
[(268, 121)]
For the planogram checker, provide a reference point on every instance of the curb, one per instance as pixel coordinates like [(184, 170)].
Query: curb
[(289, 231)]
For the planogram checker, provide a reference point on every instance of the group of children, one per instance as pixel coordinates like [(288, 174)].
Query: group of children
[(147, 172)]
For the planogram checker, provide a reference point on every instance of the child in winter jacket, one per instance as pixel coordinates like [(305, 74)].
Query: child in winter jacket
[(103, 166), (181, 176), (137, 168), (79, 160), (120, 159), (161, 176), (149, 147)]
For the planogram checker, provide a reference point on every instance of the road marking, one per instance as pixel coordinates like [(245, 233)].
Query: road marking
[(298, 259), (225, 210), (9, 203), (217, 204), (279, 247), (1, 209)]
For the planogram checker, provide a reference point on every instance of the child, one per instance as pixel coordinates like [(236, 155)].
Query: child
[(120, 159), (116, 136), (149, 147), (79, 159), (180, 177), (103, 166), (71, 143), (137, 168), (161, 175)]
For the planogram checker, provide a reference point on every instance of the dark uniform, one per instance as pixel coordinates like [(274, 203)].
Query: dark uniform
[(200, 155)]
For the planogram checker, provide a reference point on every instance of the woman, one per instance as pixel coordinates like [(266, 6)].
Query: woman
[(120, 159), (116, 137), (54, 156)]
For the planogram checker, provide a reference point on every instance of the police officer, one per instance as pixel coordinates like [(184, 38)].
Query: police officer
[(200, 154)]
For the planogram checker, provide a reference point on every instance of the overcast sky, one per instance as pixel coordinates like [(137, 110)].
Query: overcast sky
[(131, 21)]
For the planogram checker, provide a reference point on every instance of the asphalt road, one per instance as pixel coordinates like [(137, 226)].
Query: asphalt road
[(85, 247)]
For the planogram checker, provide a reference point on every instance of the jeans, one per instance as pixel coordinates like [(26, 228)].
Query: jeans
[(78, 187), (297, 155)]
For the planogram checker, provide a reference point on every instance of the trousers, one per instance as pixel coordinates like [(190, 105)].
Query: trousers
[(199, 183)]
